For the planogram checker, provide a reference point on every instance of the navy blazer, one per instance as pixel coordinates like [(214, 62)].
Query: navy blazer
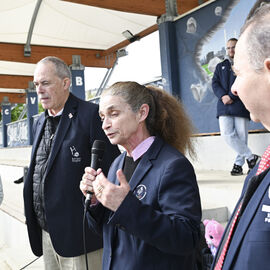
[(79, 126), (157, 224), (250, 246), (222, 82)]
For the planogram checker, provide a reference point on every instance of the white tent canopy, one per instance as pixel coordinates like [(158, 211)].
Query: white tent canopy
[(65, 24), (92, 29)]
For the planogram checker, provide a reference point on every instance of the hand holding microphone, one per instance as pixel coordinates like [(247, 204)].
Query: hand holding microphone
[(113, 195), (97, 152)]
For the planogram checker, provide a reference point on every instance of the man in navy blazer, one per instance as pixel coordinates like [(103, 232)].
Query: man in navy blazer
[(232, 115), (249, 247), (149, 206), (63, 137)]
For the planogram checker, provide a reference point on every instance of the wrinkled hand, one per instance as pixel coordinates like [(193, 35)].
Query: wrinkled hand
[(111, 195), (226, 100), (86, 184)]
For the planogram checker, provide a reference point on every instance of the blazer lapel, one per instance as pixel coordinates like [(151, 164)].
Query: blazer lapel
[(245, 221), (145, 164), (112, 175), (69, 111), (142, 168), (38, 133)]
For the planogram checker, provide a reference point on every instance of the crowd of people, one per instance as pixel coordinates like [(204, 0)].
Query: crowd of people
[(145, 209)]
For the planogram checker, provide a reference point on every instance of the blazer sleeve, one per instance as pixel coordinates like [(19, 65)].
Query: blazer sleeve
[(95, 215), (218, 89), (174, 228)]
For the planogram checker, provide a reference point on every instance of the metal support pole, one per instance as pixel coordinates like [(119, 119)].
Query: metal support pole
[(27, 46), (6, 117), (77, 72), (32, 109), (171, 12), (109, 72)]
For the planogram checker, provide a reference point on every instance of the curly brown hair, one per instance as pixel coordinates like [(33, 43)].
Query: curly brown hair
[(166, 118)]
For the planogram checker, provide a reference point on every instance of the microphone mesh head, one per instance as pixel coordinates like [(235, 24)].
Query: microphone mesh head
[(98, 148)]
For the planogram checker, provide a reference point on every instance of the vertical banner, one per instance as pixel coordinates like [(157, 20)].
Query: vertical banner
[(32, 109), (168, 50), (6, 116), (78, 86)]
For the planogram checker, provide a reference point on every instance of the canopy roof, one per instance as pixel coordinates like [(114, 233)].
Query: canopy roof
[(33, 29)]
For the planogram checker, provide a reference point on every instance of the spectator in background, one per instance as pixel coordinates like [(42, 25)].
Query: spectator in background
[(63, 137), (149, 210), (231, 112), (246, 240)]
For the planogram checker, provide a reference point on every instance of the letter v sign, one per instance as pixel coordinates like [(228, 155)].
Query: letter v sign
[(33, 100)]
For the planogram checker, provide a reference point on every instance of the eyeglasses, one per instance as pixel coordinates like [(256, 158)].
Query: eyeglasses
[(229, 48)]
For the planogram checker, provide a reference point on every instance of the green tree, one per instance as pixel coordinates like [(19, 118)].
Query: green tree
[(17, 110)]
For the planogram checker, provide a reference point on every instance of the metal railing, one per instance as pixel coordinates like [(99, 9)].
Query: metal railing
[(17, 133)]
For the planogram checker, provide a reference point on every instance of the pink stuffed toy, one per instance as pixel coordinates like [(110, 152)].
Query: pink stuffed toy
[(213, 234)]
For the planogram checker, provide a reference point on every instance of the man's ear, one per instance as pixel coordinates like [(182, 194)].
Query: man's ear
[(267, 64), (267, 68), (143, 112), (66, 83)]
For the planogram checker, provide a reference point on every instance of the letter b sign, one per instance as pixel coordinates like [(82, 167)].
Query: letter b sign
[(79, 81)]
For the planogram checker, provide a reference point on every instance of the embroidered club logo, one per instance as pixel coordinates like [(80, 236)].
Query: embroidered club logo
[(75, 154), (140, 191), (266, 209)]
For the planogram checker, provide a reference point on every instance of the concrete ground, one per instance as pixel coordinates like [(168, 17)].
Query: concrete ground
[(219, 189), (15, 251)]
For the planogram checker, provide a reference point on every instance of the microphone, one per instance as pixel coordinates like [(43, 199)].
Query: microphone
[(97, 152)]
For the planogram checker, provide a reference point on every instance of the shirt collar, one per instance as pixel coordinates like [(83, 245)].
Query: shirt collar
[(142, 147), (59, 113), (230, 59)]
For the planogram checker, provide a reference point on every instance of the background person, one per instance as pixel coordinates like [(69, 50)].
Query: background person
[(63, 137), (149, 210), (232, 115), (249, 245)]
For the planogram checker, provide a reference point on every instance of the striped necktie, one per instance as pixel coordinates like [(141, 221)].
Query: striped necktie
[(226, 245), (264, 162)]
